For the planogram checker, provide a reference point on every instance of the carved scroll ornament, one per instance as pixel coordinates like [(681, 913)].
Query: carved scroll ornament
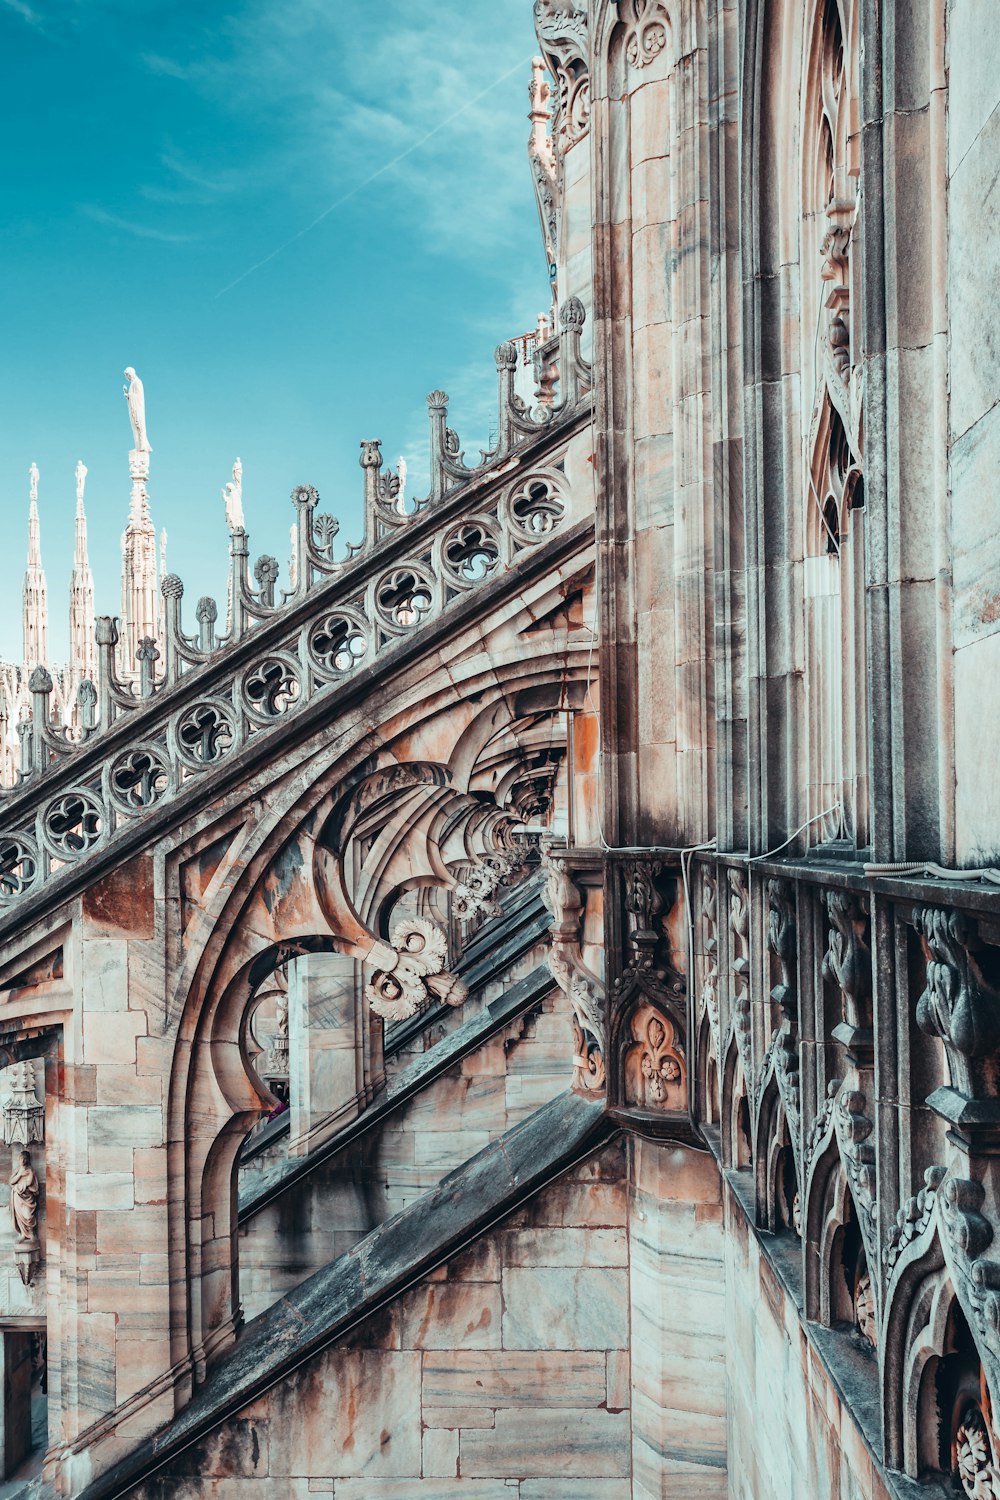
[(410, 971)]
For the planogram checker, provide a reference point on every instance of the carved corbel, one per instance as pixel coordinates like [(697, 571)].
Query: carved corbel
[(847, 964), (962, 1008), (578, 983), (410, 971)]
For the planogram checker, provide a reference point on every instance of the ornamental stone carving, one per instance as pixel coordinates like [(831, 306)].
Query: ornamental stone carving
[(410, 971), (782, 943), (25, 1192), (975, 1460), (958, 1003), (857, 1152), (848, 965), (647, 30), (654, 1067), (739, 936), (23, 1112), (561, 27), (710, 984), (473, 895), (579, 984)]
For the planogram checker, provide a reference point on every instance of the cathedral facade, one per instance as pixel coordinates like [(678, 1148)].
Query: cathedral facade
[(516, 1012)]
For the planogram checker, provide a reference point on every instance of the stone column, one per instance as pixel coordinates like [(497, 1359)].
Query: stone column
[(325, 1061), (677, 1286)]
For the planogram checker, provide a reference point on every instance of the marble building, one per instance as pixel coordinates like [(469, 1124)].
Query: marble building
[(512, 1008)]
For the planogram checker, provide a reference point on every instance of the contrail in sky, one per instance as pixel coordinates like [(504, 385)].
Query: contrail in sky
[(359, 187)]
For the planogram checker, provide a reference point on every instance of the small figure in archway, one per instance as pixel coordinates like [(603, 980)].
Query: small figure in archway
[(24, 1194)]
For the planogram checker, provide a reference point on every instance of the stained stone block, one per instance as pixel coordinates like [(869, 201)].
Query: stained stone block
[(513, 1378), (571, 1489), (547, 1444), (452, 1315), (422, 1489), (565, 1247), (440, 1453), (355, 1414), (565, 1309)]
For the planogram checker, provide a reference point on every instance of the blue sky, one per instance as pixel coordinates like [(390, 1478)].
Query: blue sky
[(156, 152)]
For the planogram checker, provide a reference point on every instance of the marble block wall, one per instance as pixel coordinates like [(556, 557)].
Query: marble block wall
[(504, 1375), (453, 1118)]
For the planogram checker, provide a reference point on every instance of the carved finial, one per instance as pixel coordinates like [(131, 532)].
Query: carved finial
[(40, 681), (506, 356), (206, 612), (305, 496), (572, 314), (371, 453), (146, 650), (106, 629), (136, 398), (171, 587), (437, 401)]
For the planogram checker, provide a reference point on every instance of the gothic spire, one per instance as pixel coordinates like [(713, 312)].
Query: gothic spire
[(36, 610), (81, 592)]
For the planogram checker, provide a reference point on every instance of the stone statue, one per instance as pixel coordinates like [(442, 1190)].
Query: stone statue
[(24, 1194), (136, 398), (33, 483), (233, 497), (81, 479)]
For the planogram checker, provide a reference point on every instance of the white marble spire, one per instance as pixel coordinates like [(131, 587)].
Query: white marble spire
[(140, 595), (36, 607), (82, 648)]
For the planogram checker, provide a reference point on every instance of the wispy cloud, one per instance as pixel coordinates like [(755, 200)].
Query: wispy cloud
[(27, 12), (129, 226), (381, 171), (385, 99)]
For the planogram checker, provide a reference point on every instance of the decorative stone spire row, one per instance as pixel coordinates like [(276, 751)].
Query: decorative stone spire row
[(36, 608), (342, 608)]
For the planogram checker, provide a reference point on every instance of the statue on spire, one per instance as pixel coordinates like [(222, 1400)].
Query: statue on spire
[(33, 483), (81, 479), (136, 398), (233, 497)]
